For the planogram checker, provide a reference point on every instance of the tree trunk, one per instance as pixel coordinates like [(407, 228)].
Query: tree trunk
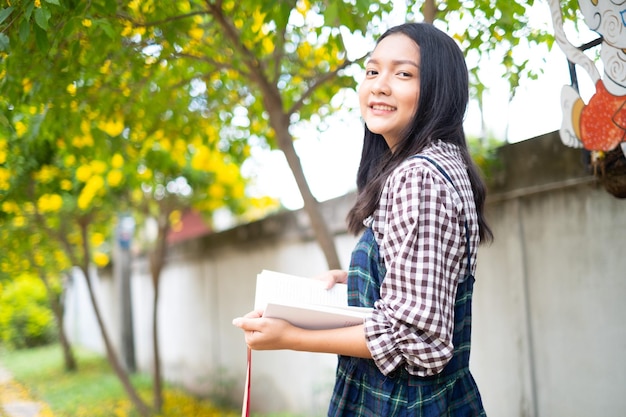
[(429, 10), (156, 266), (312, 207), (140, 406), (68, 354), (57, 309)]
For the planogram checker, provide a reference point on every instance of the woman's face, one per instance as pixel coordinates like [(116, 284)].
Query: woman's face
[(389, 93)]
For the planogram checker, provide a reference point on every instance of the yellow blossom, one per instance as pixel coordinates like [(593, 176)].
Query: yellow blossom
[(196, 33), (114, 178), (117, 161), (71, 89), (38, 3), (175, 217), (19, 221), (66, 185), (228, 174), (83, 173), (27, 85), (49, 203), (10, 207), (112, 127), (145, 174), (20, 128), (82, 141), (216, 192), (69, 160), (46, 174), (86, 23), (3, 151), (200, 160), (4, 178), (106, 67), (97, 239), (98, 167), (100, 259), (39, 259)]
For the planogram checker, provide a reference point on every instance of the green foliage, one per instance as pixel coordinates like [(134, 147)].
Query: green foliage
[(94, 391), (483, 153), (25, 316)]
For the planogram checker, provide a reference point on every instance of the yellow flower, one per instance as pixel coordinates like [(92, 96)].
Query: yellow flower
[(4, 178), (228, 175), (70, 160), (83, 173), (98, 166), (46, 174), (19, 221), (27, 85), (86, 23), (196, 33), (112, 127), (20, 128), (49, 203), (200, 160), (66, 185), (38, 3), (10, 207), (216, 192), (100, 259), (97, 239), (39, 259), (3, 152), (84, 199), (82, 141), (114, 178), (117, 161), (71, 89), (175, 217), (106, 67)]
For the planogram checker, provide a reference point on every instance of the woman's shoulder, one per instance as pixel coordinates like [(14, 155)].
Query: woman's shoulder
[(438, 155)]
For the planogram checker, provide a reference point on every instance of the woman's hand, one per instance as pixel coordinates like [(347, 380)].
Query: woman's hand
[(266, 333), (332, 277)]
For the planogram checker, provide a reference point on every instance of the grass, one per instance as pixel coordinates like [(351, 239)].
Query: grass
[(93, 391)]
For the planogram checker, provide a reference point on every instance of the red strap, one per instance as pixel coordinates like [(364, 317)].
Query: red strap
[(245, 410)]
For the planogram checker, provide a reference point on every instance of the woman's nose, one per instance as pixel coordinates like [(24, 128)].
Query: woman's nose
[(380, 85)]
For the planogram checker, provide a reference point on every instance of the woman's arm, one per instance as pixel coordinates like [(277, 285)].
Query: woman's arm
[(275, 334)]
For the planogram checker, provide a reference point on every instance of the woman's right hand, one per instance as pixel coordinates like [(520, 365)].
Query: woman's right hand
[(332, 277)]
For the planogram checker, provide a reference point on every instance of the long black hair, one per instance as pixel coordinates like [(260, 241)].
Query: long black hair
[(444, 94)]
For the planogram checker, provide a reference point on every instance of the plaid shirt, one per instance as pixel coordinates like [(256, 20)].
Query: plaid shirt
[(419, 229)]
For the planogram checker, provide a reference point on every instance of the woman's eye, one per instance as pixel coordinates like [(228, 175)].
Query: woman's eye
[(404, 74), (371, 72)]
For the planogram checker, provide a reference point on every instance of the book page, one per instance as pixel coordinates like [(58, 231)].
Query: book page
[(288, 289)]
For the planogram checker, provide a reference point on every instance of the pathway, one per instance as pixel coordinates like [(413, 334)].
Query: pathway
[(15, 400)]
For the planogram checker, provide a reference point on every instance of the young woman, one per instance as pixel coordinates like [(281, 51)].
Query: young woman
[(420, 211)]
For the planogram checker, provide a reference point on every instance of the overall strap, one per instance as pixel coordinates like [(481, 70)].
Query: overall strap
[(467, 234)]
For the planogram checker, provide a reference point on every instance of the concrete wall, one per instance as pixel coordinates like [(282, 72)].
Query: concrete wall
[(548, 335)]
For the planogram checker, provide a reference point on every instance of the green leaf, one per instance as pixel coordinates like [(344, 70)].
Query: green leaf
[(41, 18), (24, 31), (5, 13), (106, 27), (53, 2), (41, 38), (4, 42)]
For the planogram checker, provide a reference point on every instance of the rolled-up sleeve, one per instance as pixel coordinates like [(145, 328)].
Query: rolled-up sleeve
[(421, 243)]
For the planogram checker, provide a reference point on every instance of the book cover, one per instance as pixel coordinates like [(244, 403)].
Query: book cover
[(304, 302)]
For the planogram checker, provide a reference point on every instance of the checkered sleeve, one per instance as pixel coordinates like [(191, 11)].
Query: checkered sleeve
[(418, 228)]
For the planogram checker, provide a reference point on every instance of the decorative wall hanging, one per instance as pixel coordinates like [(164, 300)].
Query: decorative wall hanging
[(599, 126)]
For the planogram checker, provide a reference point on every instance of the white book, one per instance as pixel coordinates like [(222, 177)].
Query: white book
[(304, 302)]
